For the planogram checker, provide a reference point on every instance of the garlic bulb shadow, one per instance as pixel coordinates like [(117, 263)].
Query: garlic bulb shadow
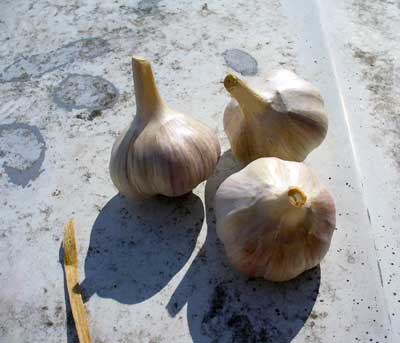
[(137, 247), (225, 306)]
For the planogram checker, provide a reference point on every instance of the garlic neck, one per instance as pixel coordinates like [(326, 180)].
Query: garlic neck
[(248, 99), (148, 100)]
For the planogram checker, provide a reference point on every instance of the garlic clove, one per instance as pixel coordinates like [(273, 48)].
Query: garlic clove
[(162, 151), (275, 219), (285, 119)]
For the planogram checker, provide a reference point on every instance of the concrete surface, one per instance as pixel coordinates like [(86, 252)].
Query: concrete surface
[(66, 92)]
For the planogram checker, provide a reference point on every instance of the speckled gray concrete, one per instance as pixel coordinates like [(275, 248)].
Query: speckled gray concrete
[(155, 272)]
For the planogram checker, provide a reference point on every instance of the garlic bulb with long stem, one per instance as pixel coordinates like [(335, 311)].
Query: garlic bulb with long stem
[(285, 119), (163, 151), (275, 219)]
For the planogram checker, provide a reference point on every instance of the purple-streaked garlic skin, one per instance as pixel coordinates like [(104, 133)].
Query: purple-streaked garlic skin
[(275, 219), (162, 151)]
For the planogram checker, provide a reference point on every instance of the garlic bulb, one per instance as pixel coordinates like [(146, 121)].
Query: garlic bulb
[(162, 151), (275, 219), (286, 119)]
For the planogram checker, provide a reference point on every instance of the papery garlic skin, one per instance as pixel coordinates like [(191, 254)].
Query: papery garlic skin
[(286, 118), (275, 219), (163, 151)]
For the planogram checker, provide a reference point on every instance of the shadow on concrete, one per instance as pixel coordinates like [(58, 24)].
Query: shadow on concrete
[(137, 247), (224, 306)]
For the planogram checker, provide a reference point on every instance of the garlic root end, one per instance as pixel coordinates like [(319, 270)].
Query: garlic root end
[(296, 197)]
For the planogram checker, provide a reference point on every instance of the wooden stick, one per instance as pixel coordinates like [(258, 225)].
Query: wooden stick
[(74, 291)]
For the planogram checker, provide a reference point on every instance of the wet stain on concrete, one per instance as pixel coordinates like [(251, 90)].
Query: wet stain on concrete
[(370, 13), (235, 315), (239, 324), (218, 302), (243, 331), (365, 57), (240, 328), (46, 318), (241, 61), (89, 116), (79, 91), (25, 68), (379, 70), (206, 11), (148, 6), (22, 152)]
